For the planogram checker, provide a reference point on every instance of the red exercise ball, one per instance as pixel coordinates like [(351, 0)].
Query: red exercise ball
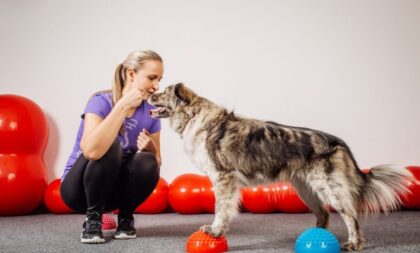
[(157, 201), (200, 242), (258, 199), (191, 194), (270, 198), (53, 200), (412, 200), (185, 194), (207, 195), (287, 199), (23, 135)]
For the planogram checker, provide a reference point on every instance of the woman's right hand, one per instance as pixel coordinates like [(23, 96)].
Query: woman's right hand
[(131, 99)]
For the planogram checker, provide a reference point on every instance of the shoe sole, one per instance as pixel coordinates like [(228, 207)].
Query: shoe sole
[(124, 236), (93, 240)]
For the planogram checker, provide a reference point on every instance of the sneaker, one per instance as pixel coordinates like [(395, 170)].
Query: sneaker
[(125, 229), (92, 230)]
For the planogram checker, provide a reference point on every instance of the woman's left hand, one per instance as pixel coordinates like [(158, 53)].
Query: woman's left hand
[(145, 143)]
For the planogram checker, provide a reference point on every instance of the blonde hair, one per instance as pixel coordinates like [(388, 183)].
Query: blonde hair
[(134, 61)]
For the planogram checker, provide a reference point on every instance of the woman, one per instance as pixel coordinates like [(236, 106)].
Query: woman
[(116, 158)]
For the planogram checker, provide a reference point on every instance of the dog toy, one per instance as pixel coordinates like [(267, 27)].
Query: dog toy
[(317, 240), (200, 242)]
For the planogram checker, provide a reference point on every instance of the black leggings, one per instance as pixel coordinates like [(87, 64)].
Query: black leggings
[(111, 182)]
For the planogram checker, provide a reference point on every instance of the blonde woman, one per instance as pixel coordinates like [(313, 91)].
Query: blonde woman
[(116, 158)]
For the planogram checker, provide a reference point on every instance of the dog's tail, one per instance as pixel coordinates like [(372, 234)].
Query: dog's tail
[(385, 185)]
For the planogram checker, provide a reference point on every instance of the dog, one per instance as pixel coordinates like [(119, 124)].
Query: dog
[(236, 151)]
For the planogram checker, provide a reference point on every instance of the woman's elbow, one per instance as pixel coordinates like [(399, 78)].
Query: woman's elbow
[(90, 154)]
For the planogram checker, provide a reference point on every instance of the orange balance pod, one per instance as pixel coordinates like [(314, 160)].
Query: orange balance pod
[(108, 222), (200, 242)]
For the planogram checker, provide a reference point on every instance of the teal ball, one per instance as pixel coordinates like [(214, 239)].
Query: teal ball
[(317, 240)]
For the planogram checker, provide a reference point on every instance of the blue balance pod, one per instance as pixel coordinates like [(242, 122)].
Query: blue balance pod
[(317, 240)]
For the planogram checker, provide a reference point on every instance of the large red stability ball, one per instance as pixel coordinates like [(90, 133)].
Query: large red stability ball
[(412, 200), (191, 194), (53, 200), (276, 197), (258, 199), (286, 198), (23, 137), (207, 195), (157, 201), (184, 194)]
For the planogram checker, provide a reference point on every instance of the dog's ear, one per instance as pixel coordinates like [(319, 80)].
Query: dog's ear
[(183, 93)]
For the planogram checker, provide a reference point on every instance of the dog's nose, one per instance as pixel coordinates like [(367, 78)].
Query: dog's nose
[(152, 97)]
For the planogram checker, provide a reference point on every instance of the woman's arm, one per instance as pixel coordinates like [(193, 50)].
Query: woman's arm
[(99, 134)]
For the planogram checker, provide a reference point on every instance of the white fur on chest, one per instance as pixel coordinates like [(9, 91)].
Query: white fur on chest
[(195, 144)]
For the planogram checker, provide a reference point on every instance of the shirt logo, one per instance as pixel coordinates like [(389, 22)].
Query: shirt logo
[(131, 124), (124, 141)]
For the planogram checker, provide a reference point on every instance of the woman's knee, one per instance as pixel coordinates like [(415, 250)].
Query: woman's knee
[(109, 163), (106, 169), (72, 198), (114, 153), (145, 163)]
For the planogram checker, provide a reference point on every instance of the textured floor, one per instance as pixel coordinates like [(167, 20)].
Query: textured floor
[(396, 232)]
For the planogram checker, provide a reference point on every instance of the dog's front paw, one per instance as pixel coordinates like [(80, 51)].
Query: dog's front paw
[(209, 230)]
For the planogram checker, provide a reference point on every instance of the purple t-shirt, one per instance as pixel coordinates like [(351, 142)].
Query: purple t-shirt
[(101, 105)]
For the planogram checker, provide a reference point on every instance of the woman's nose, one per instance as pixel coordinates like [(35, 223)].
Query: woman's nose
[(156, 85)]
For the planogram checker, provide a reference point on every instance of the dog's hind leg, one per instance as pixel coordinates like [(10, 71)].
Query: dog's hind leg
[(355, 241), (342, 202), (342, 193), (313, 202), (334, 188), (226, 189)]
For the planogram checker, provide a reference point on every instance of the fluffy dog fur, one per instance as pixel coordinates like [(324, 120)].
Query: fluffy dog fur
[(236, 152)]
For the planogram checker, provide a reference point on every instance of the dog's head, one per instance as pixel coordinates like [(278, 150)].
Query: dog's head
[(172, 99)]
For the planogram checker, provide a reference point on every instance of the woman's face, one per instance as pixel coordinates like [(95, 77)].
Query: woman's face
[(147, 78)]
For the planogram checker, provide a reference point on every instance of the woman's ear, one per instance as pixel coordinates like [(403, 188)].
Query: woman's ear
[(130, 73)]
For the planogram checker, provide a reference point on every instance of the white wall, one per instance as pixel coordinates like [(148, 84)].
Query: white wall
[(351, 68)]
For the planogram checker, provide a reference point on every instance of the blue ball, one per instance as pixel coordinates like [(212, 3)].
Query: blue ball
[(317, 240)]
